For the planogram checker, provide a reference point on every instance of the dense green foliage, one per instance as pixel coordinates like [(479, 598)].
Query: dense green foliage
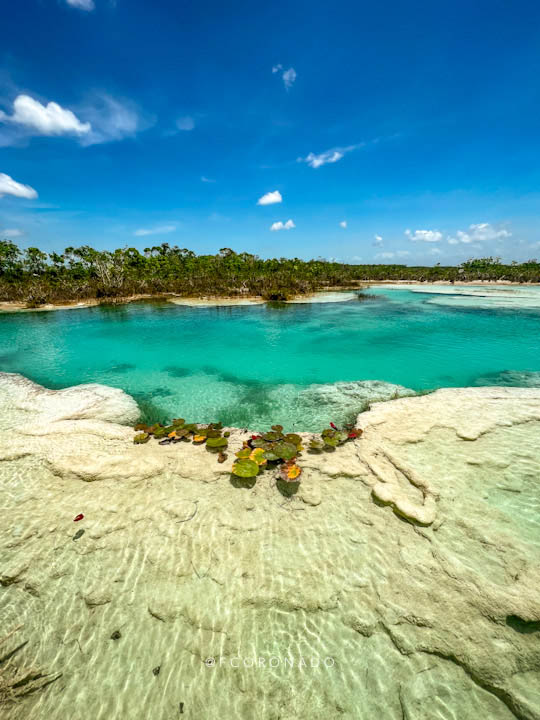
[(36, 277)]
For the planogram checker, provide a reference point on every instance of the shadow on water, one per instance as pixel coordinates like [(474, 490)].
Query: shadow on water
[(242, 483), (177, 371), (525, 627)]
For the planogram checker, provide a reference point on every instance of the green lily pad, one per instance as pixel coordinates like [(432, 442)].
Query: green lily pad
[(216, 442), (245, 468)]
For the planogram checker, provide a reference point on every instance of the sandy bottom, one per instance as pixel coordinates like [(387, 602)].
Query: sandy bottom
[(400, 580), (474, 296)]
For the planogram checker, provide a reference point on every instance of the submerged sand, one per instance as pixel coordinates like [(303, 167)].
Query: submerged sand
[(400, 581)]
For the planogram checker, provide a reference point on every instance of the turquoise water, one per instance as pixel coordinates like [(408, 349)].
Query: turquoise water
[(252, 366)]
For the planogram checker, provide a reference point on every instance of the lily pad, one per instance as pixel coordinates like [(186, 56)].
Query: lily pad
[(216, 442), (258, 456), (245, 468), (141, 438)]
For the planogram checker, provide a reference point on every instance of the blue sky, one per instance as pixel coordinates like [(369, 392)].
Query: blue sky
[(375, 132)]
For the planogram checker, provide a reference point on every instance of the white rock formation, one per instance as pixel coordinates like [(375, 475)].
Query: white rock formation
[(407, 565)]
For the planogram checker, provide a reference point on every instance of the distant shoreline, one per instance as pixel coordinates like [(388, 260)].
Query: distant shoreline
[(9, 306)]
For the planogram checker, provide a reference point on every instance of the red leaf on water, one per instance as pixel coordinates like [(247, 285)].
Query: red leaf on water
[(332, 425), (79, 517)]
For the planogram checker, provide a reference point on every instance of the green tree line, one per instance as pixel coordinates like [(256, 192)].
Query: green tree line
[(36, 277)]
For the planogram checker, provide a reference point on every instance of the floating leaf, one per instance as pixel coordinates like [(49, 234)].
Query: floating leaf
[(244, 453), (227, 434), (291, 472), (331, 440), (316, 445), (293, 438), (277, 428), (216, 442), (272, 436), (213, 433), (141, 426), (285, 450), (245, 468), (172, 434), (258, 456), (198, 439), (178, 422), (141, 438), (259, 443)]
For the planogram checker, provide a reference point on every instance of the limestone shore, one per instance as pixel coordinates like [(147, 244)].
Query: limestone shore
[(400, 581)]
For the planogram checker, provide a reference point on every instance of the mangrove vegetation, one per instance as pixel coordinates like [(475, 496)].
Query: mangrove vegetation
[(34, 277)]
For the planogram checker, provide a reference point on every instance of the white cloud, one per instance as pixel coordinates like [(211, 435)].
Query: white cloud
[(207, 180), (390, 255), (101, 118), (479, 232), (328, 156), (87, 5), (424, 235), (185, 123), (50, 119), (377, 240), (270, 198), (289, 76), (11, 233), (343, 224), (8, 186), (160, 230), (112, 119), (282, 226)]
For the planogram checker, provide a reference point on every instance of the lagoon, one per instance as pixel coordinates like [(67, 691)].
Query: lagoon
[(301, 365)]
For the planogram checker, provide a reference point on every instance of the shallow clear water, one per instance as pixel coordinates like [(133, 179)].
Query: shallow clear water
[(252, 366)]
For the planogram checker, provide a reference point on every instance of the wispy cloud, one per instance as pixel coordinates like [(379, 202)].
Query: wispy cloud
[(87, 5), (207, 180), (185, 123), (343, 224), (159, 230), (112, 119), (377, 240), (389, 255), (428, 236), (328, 156), (479, 232), (9, 186), (11, 233), (100, 118), (38, 119), (282, 226), (270, 198), (288, 76)]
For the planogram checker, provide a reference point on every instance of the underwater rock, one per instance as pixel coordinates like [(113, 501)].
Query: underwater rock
[(419, 620), (20, 398)]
